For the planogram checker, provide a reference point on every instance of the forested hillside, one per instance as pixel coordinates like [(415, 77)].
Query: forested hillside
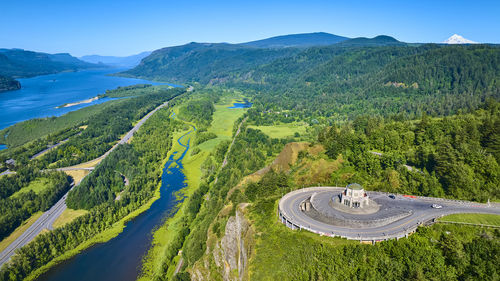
[(8, 84), (303, 40), (343, 82), (21, 63), (378, 76), (206, 63), (26, 193), (236, 235), (455, 157)]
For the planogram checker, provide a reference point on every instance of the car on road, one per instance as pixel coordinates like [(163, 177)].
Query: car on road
[(392, 196), (436, 206)]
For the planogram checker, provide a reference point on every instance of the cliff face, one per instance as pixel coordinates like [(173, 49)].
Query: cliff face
[(9, 84), (227, 258)]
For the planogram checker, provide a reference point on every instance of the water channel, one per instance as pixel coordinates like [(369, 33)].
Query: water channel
[(121, 257)]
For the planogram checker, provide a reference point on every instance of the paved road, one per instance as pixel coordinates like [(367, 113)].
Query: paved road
[(48, 218), (7, 172), (74, 169), (44, 222), (48, 148), (290, 213)]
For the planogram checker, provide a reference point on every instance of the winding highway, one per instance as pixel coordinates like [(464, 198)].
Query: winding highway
[(420, 208), (48, 218)]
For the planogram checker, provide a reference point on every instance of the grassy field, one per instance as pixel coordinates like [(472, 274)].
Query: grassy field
[(77, 175), (16, 233), (488, 219), (67, 216), (37, 186), (282, 130), (222, 125)]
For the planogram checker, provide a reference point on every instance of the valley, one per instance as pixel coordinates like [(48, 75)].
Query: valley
[(142, 180)]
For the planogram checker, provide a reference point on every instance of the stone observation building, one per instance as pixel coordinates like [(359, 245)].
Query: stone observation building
[(354, 196)]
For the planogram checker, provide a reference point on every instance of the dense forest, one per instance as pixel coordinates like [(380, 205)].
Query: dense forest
[(383, 154), (18, 202), (454, 156), (151, 144), (203, 62), (101, 132), (378, 76), (340, 83)]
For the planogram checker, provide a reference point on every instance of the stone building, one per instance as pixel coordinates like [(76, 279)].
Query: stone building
[(354, 196)]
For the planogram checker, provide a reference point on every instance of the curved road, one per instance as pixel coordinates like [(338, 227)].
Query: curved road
[(48, 218), (290, 214)]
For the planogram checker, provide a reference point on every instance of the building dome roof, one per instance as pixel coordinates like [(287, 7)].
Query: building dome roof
[(355, 186)]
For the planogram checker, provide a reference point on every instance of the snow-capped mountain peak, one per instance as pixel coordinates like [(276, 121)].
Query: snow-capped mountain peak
[(457, 39)]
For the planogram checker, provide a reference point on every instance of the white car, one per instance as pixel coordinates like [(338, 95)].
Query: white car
[(436, 206)]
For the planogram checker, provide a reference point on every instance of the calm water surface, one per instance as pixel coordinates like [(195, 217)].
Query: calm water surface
[(120, 258), (40, 95), (244, 104)]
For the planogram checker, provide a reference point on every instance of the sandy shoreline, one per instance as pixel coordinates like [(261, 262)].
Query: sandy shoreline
[(78, 102)]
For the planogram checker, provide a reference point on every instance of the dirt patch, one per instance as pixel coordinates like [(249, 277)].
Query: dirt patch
[(288, 156), (77, 175)]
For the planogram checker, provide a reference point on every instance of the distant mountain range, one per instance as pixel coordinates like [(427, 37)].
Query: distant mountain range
[(381, 40), (213, 62), (128, 61), (210, 63), (457, 39), (297, 40), (18, 63)]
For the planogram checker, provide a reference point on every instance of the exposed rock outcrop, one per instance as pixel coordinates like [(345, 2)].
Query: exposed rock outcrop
[(229, 255)]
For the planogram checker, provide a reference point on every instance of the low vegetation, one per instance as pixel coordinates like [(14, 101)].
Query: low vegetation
[(68, 216), (27, 193), (480, 219), (151, 145)]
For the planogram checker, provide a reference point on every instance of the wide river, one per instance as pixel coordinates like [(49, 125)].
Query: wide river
[(121, 258), (39, 96)]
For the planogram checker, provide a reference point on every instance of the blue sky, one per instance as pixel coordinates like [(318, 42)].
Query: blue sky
[(127, 27)]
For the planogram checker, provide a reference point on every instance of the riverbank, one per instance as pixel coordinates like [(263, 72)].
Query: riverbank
[(78, 102), (41, 96), (222, 124), (102, 237), (105, 236)]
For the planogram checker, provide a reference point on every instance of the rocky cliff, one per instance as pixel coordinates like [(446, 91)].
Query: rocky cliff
[(227, 257)]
